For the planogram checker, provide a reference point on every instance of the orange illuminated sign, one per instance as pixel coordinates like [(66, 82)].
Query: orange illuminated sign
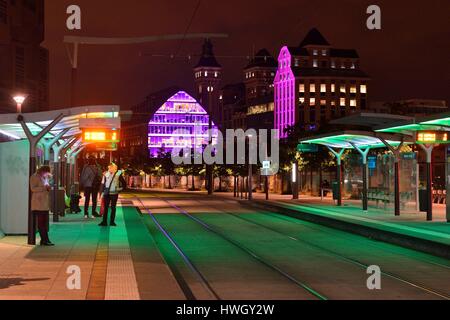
[(100, 135), (425, 137)]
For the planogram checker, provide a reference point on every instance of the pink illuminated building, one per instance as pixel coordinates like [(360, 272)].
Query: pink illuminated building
[(315, 83)]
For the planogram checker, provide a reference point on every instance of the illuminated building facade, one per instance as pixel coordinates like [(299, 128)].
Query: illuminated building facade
[(180, 121), (315, 83)]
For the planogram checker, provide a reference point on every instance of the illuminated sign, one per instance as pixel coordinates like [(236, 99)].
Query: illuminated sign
[(372, 162), (101, 135), (431, 137), (304, 147)]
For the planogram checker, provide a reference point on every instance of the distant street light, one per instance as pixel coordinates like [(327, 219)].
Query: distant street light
[(19, 99)]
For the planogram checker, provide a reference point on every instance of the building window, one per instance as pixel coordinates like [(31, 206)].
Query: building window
[(312, 88), (363, 88), (312, 101), (353, 103), (216, 74), (353, 65), (342, 65), (296, 62), (333, 64), (333, 103), (353, 89), (206, 73), (333, 87), (302, 100), (323, 102), (315, 63), (302, 88), (315, 52), (342, 90), (323, 88), (342, 102), (3, 12), (324, 52)]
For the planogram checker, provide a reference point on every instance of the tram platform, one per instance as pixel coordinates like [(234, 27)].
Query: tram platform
[(121, 263)]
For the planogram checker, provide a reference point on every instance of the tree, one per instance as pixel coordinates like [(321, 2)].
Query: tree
[(167, 166)]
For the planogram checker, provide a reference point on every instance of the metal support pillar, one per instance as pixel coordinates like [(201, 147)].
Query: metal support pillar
[(34, 140), (447, 184), (73, 166), (210, 168), (266, 187), (364, 153), (250, 181), (396, 152), (69, 180), (73, 81), (246, 187), (48, 144), (429, 152), (338, 156), (57, 155)]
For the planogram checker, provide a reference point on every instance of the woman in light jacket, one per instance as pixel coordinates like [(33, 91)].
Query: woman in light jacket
[(40, 205), (112, 184)]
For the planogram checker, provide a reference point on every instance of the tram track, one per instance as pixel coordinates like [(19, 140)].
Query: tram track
[(340, 256), (182, 283), (236, 244), (309, 226), (299, 221)]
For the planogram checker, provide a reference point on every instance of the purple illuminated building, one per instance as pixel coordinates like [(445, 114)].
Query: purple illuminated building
[(180, 121)]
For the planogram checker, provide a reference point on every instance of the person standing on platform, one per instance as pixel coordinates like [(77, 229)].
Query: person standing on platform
[(112, 184), (40, 203), (90, 180)]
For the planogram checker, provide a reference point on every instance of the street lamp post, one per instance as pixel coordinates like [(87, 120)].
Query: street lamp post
[(294, 181), (19, 99), (250, 173)]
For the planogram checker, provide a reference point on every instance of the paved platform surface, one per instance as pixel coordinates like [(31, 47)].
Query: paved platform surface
[(119, 263)]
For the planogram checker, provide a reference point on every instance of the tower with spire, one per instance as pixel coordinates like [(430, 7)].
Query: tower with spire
[(208, 76)]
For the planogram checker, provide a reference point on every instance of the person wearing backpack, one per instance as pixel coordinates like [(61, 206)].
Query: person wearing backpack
[(90, 180), (112, 184)]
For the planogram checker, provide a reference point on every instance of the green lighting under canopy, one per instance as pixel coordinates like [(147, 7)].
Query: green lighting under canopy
[(347, 139), (434, 122)]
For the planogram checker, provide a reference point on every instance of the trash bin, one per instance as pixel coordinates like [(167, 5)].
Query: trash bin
[(60, 202), (335, 188), (423, 200)]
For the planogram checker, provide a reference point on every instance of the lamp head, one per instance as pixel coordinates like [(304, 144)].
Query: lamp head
[(19, 98)]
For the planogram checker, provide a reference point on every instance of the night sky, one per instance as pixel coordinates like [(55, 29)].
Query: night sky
[(408, 58)]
